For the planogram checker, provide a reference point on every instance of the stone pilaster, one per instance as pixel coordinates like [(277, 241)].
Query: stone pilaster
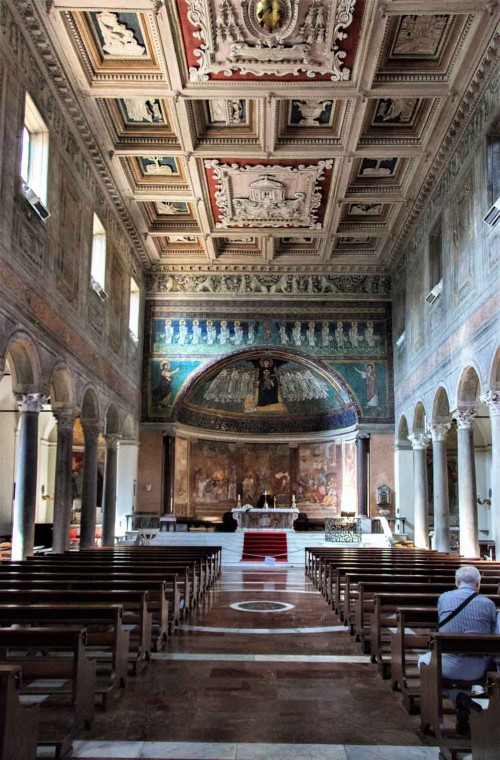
[(62, 496), (362, 444), (91, 432), (492, 399), (419, 442), (467, 491), (438, 431), (168, 473), (109, 510), (23, 527)]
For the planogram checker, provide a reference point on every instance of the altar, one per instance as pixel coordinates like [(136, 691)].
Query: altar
[(265, 519)]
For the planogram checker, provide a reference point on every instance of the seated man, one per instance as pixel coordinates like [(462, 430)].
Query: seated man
[(476, 616)]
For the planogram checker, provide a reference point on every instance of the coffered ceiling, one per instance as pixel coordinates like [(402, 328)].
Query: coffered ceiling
[(271, 132)]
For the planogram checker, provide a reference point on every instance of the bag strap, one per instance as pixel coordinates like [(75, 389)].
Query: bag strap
[(460, 607)]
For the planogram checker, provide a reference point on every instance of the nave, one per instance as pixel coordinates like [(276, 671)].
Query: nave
[(259, 684)]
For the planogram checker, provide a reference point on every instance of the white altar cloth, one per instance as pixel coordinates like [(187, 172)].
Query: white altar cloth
[(265, 519)]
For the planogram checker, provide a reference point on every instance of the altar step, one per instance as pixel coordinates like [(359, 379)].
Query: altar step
[(259, 544)]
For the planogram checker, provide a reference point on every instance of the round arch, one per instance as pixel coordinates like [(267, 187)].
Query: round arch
[(62, 387), (112, 420), (348, 413), (24, 362), (419, 418), (495, 372), (469, 388), (90, 411), (441, 406)]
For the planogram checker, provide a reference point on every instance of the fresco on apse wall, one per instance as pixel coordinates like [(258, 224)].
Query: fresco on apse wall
[(222, 471), (323, 475), (369, 382), (317, 337)]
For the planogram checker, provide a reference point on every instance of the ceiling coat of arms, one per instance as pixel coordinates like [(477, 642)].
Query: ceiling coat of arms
[(270, 38)]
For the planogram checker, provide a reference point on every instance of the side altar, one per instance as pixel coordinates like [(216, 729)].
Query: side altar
[(265, 519)]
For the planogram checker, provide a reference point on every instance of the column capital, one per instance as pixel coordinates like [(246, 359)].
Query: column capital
[(465, 417), (112, 440), (419, 441), (364, 436), (438, 431), (492, 400), (65, 418), (30, 402), (91, 430)]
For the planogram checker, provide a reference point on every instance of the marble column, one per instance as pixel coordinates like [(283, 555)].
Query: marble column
[(438, 431), (168, 473), (492, 399), (419, 442), (62, 492), (467, 491), (109, 510), (23, 523), (91, 432), (362, 442)]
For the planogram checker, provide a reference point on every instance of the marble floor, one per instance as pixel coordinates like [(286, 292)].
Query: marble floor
[(262, 669)]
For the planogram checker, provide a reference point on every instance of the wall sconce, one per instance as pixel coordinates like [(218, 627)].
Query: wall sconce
[(45, 496), (484, 501)]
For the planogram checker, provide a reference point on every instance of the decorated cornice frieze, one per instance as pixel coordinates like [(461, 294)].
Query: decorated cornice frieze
[(269, 283)]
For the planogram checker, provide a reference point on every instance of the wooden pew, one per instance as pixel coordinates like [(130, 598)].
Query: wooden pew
[(18, 723), (134, 604), (485, 726), (435, 716), (105, 631), (158, 595), (365, 602), (179, 588), (57, 726), (411, 639)]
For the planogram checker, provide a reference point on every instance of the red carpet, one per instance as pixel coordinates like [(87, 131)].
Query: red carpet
[(259, 544)]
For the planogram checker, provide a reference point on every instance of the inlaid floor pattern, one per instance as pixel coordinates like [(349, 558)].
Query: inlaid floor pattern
[(259, 683)]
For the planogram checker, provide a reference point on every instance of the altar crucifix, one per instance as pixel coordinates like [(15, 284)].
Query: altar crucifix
[(266, 500)]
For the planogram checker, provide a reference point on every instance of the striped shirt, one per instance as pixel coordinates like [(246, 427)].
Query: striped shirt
[(478, 617)]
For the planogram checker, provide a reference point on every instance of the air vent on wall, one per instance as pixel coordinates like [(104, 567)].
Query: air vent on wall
[(435, 293), (98, 289), (492, 216), (35, 202)]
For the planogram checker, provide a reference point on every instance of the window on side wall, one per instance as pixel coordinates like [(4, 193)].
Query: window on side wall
[(98, 262), (34, 155), (134, 310)]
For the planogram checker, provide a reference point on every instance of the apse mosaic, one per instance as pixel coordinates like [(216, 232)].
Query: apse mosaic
[(325, 337), (245, 395)]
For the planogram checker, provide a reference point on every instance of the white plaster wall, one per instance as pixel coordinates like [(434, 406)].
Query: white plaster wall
[(483, 480), (403, 479), (46, 478), (128, 453)]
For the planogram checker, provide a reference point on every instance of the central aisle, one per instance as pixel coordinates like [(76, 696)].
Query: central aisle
[(243, 678)]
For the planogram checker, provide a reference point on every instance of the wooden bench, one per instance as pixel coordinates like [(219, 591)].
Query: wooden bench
[(365, 602), (485, 726), (134, 603), (18, 722), (158, 596), (435, 716), (105, 631), (61, 658)]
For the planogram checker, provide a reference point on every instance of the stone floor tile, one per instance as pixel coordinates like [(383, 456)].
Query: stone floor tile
[(290, 751), (107, 750), (391, 753)]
